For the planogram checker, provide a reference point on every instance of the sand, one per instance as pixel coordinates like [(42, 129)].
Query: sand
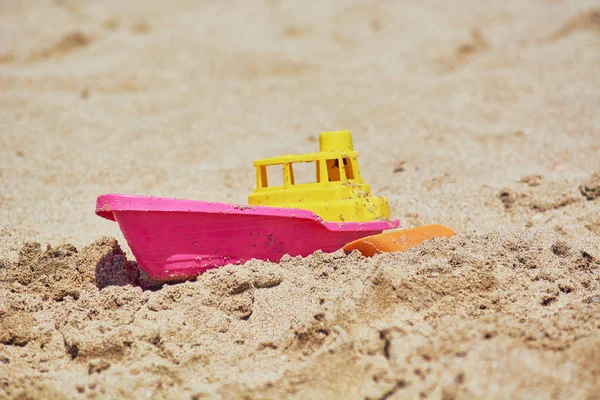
[(482, 117)]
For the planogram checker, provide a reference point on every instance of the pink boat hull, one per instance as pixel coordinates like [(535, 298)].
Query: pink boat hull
[(175, 239)]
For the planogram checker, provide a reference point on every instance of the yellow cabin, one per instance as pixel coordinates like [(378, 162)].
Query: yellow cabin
[(337, 193)]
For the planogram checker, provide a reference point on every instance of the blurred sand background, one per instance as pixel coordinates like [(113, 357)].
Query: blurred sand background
[(483, 116)]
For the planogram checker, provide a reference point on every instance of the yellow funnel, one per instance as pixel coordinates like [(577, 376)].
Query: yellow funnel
[(336, 141)]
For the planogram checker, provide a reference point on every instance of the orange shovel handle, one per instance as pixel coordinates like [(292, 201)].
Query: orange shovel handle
[(397, 240)]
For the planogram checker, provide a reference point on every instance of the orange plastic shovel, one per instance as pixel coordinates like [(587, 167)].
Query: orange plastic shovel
[(398, 240)]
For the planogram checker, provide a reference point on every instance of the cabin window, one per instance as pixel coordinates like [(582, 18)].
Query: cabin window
[(274, 174), (262, 180), (349, 168), (304, 172), (333, 170), (321, 171)]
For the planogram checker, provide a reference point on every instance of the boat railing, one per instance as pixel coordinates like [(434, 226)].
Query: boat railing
[(327, 170)]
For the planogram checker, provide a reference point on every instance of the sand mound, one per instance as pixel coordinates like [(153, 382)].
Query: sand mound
[(445, 319), (63, 271), (482, 116)]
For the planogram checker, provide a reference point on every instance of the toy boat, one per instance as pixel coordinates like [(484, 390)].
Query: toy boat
[(174, 239)]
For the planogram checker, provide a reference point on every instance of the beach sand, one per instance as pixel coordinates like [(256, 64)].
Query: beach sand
[(481, 117)]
